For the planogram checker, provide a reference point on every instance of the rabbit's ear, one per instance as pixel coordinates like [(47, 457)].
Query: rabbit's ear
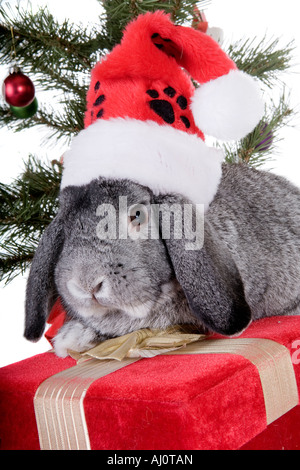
[(216, 300), (210, 281), (41, 292)]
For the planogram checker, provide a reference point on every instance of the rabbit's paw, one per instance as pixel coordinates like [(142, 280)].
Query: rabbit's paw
[(74, 336)]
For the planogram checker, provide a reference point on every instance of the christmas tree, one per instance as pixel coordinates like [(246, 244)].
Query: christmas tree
[(59, 56)]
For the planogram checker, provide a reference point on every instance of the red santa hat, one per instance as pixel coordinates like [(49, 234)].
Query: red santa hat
[(146, 121)]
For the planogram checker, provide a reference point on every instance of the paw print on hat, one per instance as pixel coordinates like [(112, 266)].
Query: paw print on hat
[(170, 106), (97, 110)]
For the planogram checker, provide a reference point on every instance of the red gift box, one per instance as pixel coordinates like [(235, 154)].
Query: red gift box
[(186, 401)]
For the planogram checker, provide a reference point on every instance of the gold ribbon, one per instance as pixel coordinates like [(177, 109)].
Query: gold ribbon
[(58, 404), (58, 401)]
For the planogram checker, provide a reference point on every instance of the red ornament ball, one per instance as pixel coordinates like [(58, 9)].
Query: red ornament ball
[(18, 89)]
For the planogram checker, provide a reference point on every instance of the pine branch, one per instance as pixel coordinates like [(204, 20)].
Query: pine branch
[(31, 201), (259, 146), (62, 124), (119, 13), (27, 206), (40, 40), (262, 59), (58, 57), (14, 261)]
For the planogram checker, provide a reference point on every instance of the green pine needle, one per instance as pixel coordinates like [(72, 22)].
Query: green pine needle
[(262, 58), (27, 206)]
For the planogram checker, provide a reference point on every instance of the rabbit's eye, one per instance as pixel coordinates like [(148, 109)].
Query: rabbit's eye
[(138, 216)]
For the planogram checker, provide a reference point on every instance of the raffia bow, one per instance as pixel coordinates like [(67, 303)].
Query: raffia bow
[(141, 343)]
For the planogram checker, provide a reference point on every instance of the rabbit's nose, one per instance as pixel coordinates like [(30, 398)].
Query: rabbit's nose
[(101, 292), (86, 291), (97, 288)]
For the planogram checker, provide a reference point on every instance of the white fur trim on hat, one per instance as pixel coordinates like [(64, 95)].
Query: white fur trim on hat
[(165, 159), (228, 107)]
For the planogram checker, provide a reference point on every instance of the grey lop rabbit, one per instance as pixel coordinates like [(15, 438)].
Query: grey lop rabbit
[(144, 128), (247, 268)]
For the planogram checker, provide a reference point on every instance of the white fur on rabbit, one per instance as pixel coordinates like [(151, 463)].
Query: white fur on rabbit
[(248, 267)]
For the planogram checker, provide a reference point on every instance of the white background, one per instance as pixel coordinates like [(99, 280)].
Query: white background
[(238, 19)]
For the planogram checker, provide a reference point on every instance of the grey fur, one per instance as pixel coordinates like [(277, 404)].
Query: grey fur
[(41, 290), (248, 268)]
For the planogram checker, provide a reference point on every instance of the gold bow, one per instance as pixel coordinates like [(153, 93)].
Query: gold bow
[(141, 343)]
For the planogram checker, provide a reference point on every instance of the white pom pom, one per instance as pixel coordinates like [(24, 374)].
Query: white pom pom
[(228, 107)]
